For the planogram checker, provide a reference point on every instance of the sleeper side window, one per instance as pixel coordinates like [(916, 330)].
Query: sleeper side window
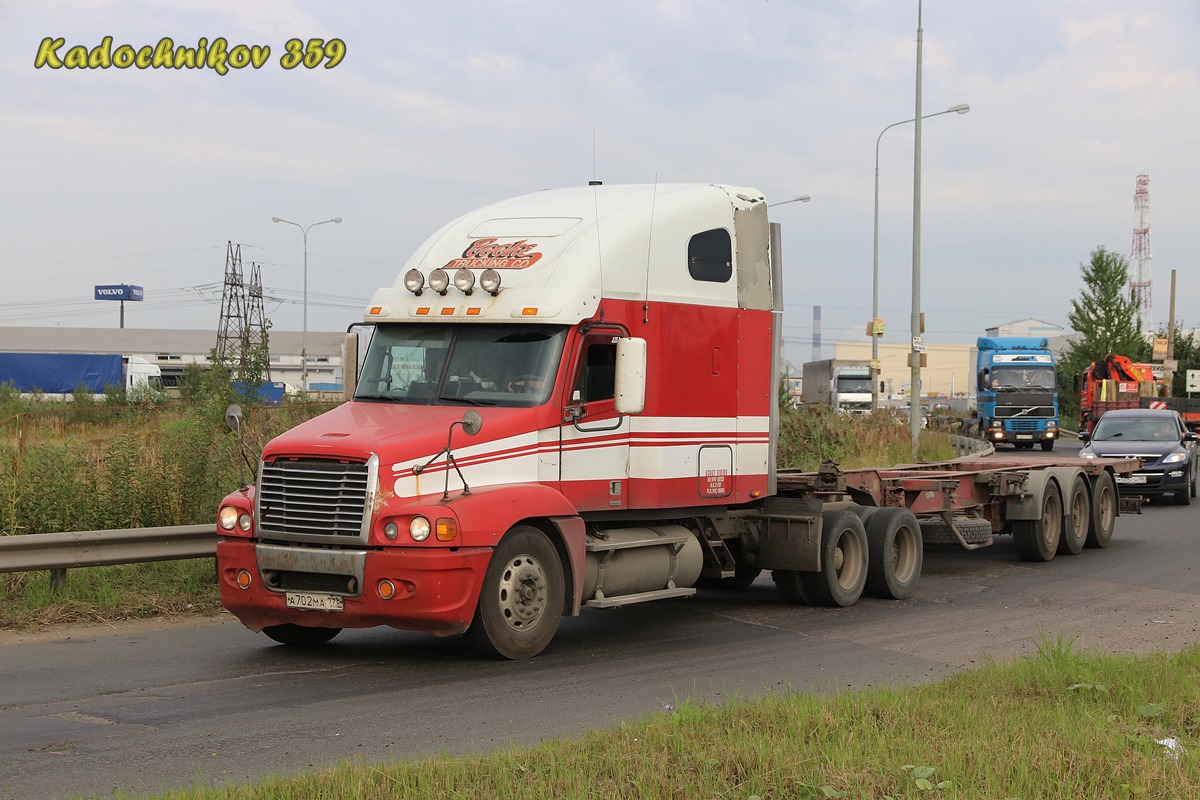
[(710, 256)]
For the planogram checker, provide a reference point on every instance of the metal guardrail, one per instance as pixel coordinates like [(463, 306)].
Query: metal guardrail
[(59, 552)]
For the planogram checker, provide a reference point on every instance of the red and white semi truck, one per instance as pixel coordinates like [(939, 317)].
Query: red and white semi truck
[(569, 399)]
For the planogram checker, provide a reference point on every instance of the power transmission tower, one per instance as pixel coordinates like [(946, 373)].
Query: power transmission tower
[(256, 340), (1139, 282), (231, 332)]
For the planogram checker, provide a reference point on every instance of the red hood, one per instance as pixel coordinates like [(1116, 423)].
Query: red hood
[(395, 432)]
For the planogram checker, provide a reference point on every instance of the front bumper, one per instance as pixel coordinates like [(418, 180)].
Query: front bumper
[(1001, 436), (435, 589), (1152, 482)]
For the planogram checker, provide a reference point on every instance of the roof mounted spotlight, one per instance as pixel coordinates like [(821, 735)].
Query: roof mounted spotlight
[(489, 281), (464, 280), (439, 280), (414, 281)]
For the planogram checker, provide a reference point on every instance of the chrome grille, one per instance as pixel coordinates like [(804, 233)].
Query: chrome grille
[(1016, 412), (318, 500)]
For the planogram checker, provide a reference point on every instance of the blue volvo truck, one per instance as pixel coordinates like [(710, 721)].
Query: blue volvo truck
[(1017, 391)]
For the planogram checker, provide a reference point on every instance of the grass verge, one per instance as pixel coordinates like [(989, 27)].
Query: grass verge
[(1060, 725)]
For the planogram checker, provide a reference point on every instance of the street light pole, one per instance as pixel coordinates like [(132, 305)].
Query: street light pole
[(914, 392), (961, 108), (304, 343), (801, 199)]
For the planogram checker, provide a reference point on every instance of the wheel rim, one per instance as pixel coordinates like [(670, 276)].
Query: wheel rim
[(523, 593), (848, 560), (1106, 502), (1051, 521), (1079, 515), (904, 554)]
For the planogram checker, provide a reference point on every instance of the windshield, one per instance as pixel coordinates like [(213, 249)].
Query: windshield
[(486, 365), (1022, 379), (847, 384), (1136, 430)]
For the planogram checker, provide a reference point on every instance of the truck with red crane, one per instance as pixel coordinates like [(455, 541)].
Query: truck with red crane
[(569, 400)]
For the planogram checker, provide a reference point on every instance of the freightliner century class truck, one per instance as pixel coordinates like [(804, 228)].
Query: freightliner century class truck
[(568, 400)]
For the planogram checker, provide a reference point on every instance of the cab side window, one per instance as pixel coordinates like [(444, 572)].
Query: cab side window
[(597, 377)]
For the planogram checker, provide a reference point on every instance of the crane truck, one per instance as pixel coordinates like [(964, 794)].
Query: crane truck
[(569, 400)]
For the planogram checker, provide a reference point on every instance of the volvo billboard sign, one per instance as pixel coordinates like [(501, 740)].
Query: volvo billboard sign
[(122, 292)]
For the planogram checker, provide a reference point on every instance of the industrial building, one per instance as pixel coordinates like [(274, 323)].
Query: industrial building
[(172, 350)]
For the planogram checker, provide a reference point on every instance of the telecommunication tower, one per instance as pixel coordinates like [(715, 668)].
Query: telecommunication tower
[(1139, 282)]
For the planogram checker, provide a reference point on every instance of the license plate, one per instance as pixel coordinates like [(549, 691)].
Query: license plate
[(1024, 435), (1131, 479), (314, 602)]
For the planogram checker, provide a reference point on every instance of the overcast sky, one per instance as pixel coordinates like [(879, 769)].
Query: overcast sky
[(143, 176)]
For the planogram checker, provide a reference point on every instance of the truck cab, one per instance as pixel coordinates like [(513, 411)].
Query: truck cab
[(561, 397), (1017, 391)]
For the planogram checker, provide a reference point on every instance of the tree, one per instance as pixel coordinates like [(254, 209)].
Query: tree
[(1104, 315)]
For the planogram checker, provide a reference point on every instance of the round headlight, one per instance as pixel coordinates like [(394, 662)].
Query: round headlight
[(391, 530), (418, 529), (439, 280), (227, 518), (244, 522), (414, 281), (464, 280), (489, 281)]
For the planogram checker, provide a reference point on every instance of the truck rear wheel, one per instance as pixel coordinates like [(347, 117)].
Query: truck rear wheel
[(895, 553), (1104, 510), (1037, 539), (521, 601), (844, 551), (1077, 519), (300, 635)]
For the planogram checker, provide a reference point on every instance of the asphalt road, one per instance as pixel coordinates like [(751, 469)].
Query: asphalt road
[(147, 707)]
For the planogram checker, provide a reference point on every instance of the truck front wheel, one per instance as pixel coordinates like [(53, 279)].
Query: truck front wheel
[(521, 601), (299, 635)]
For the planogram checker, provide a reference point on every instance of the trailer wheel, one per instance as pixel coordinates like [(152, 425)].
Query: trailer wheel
[(1037, 539), (843, 561), (1048, 444), (521, 601), (1077, 519), (299, 635), (790, 584), (1104, 510), (895, 553)]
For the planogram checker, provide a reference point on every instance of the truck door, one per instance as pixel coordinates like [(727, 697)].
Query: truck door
[(594, 438)]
